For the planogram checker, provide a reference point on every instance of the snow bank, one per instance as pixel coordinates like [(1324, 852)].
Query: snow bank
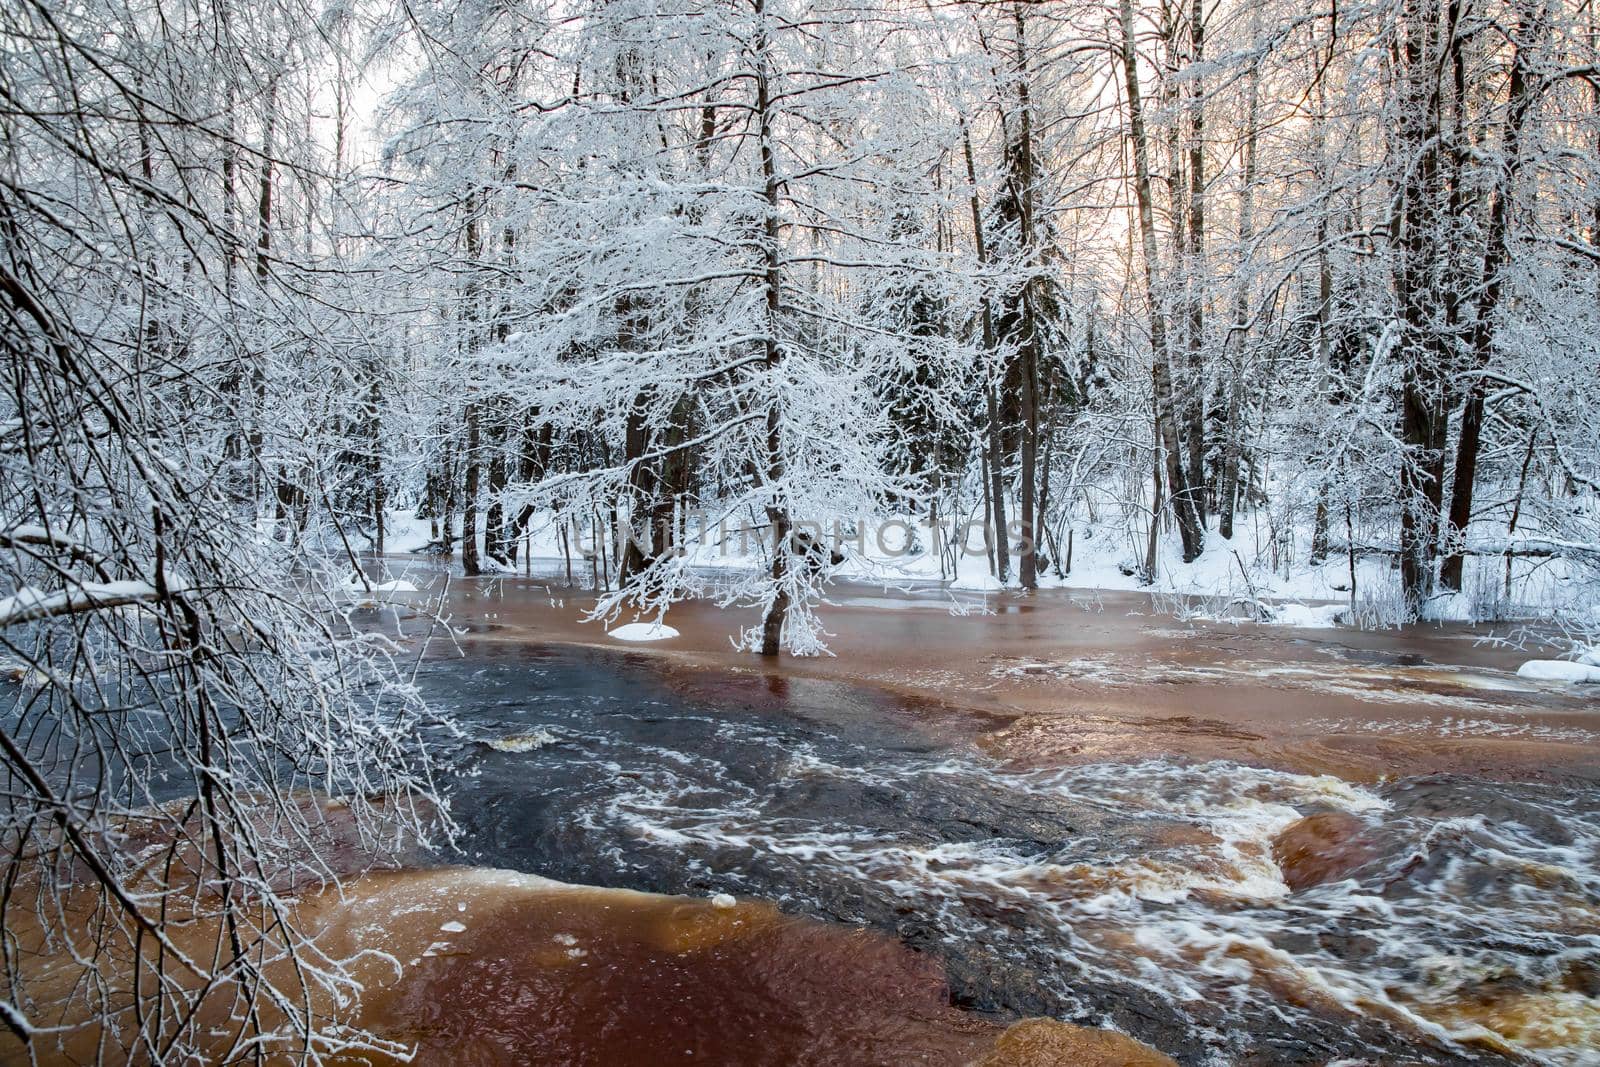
[(1311, 616), (1559, 670), (976, 581), (395, 586), (1262, 563), (643, 631)]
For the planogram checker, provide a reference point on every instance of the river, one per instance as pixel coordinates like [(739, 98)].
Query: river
[(1236, 844)]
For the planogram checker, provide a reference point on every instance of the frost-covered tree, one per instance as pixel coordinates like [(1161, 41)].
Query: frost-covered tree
[(704, 197), (192, 730)]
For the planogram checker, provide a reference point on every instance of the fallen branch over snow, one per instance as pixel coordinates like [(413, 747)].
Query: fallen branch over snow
[(1546, 547), (28, 605)]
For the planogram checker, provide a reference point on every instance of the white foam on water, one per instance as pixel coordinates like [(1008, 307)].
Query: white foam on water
[(1155, 911)]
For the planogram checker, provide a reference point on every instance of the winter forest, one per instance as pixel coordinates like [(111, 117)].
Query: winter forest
[(717, 301), (1151, 273)]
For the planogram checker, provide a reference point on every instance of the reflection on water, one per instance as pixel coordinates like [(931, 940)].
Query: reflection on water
[(1220, 912)]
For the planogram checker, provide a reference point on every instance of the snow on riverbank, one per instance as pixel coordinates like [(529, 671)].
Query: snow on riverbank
[(1262, 574), (1559, 670)]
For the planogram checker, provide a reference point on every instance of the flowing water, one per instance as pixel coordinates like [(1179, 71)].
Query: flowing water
[(1222, 912)]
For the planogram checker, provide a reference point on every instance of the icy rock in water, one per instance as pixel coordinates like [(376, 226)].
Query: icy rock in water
[(393, 585), (724, 900), (1043, 1042), (398, 585), (1559, 670), (643, 631), (1325, 847), (23, 674), (523, 742)]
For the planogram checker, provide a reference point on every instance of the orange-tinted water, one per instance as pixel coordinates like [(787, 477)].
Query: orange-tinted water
[(1239, 844)]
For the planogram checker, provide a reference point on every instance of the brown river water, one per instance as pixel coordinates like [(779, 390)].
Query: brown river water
[(1205, 843), (1233, 843)]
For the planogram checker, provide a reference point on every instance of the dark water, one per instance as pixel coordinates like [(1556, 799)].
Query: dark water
[(1432, 920)]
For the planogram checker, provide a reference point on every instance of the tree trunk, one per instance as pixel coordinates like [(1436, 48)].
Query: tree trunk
[(1239, 336), (470, 564), (1189, 527), (1154, 537), (1495, 254), (258, 370), (996, 467), (495, 527), (1516, 504), (1194, 274), (777, 513), (1028, 352), (640, 488), (379, 496), (1425, 351)]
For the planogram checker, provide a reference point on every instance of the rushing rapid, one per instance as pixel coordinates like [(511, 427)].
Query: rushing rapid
[(1221, 912)]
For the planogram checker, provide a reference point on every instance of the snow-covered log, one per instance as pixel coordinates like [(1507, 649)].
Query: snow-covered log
[(28, 605), (1522, 547)]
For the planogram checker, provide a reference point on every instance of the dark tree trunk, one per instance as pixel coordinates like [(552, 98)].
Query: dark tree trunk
[(641, 488), (1194, 384), (495, 528), (1466, 470), (1425, 350), (470, 563), (1189, 526), (777, 613), (1028, 354), (1496, 252), (1239, 336), (1319, 528), (996, 486), (1154, 536)]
